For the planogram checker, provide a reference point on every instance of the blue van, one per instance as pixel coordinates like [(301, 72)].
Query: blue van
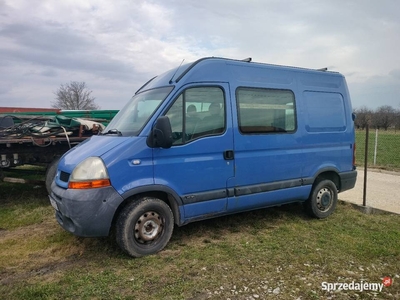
[(210, 138)]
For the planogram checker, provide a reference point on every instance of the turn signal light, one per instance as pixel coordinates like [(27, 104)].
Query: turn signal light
[(93, 184)]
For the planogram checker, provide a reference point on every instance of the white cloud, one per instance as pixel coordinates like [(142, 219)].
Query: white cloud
[(115, 46)]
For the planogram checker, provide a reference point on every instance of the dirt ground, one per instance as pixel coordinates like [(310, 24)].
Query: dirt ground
[(36, 263)]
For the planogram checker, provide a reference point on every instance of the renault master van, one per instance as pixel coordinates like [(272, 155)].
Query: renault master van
[(206, 139)]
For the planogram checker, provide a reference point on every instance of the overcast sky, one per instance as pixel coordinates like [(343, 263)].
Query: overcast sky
[(115, 46)]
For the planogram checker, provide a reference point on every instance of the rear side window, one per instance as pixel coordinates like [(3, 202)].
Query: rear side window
[(324, 112), (265, 110)]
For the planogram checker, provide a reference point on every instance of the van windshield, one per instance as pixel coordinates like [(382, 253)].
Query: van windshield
[(132, 118)]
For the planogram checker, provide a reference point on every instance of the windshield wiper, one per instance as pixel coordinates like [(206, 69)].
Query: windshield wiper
[(113, 131)]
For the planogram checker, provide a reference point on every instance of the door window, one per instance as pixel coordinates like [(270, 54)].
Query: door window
[(197, 112)]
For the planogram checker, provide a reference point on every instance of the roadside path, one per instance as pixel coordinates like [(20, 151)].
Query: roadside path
[(383, 190)]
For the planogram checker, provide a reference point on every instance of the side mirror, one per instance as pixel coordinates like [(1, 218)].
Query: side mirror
[(161, 135)]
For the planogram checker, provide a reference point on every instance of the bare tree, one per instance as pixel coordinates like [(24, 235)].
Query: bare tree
[(397, 120), (363, 117), (74, 96), (384, 117)]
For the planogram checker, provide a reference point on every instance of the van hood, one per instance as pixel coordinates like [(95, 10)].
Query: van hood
[(95, 146)]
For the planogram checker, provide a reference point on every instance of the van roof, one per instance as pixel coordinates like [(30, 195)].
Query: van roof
[(247, 61), (176, 74)]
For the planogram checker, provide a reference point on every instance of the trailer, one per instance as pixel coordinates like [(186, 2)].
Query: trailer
[(41, 137)]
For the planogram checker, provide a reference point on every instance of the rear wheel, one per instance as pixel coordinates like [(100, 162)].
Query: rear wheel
[(144, 226), (323, 199)]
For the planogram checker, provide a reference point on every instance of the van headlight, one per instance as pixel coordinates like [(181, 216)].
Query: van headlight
[(90, 173)]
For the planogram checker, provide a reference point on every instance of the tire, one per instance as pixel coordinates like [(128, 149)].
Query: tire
[(323, 199), (144, 226), (51, 173)]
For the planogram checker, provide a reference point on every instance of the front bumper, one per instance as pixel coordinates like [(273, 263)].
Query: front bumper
[(86, 213)]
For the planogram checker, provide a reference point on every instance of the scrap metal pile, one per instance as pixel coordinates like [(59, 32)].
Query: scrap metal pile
[(39, 139), (18, 127)]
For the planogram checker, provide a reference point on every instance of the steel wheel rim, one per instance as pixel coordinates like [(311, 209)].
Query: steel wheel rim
[(148, 227), (324, 199)]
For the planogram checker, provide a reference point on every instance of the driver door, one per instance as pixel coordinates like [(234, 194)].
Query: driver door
[(199, 163)]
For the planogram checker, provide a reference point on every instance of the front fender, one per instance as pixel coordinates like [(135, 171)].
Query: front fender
[(175, 201)]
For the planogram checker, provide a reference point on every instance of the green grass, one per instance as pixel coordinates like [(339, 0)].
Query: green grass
[(28, 172), (21, 204), (238, 257), (388, 145)]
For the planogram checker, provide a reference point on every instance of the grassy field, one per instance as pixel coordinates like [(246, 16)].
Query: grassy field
[(276, 253), (388, 145)]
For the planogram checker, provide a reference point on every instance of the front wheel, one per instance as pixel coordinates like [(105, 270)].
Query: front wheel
[(51, 173), (144, 226), (323, 199)]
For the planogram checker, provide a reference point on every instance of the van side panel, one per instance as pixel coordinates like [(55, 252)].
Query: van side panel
[(328, 127)]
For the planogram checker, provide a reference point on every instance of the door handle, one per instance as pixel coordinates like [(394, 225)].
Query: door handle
[(229, 155)]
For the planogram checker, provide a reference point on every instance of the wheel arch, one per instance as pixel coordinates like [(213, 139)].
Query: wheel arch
[(166, 194), (331, 174)]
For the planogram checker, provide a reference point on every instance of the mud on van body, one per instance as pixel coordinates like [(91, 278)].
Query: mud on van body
[(210, 138)]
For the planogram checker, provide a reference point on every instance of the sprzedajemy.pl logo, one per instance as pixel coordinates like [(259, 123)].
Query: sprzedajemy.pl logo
[(356, 286)]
